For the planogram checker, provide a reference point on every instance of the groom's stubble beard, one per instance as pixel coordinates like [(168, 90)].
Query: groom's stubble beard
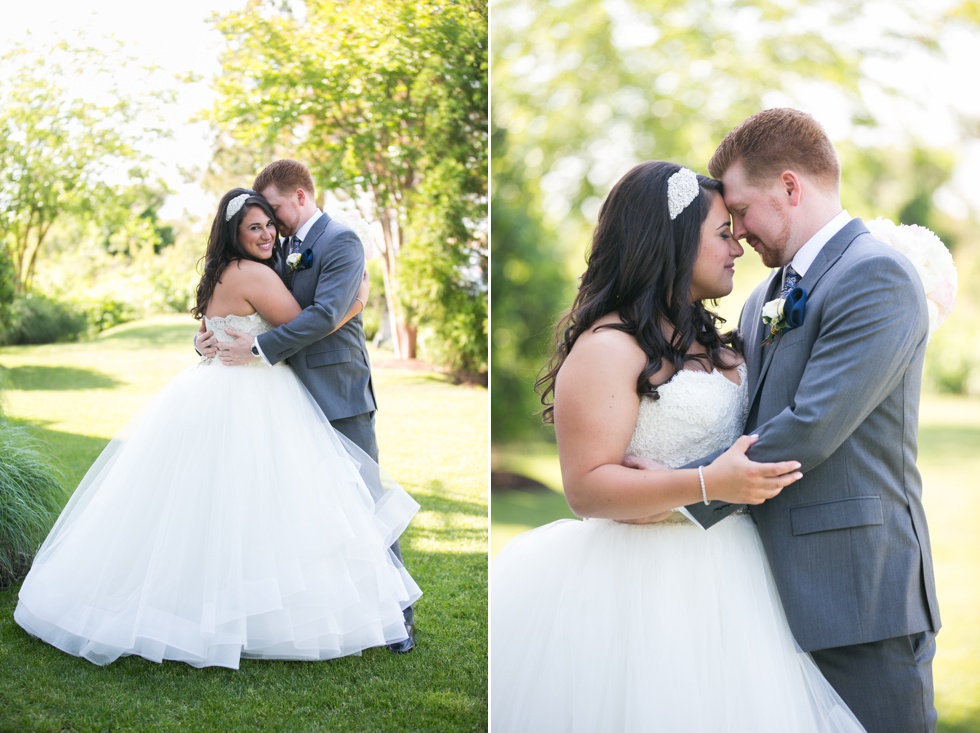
[(772, 251)]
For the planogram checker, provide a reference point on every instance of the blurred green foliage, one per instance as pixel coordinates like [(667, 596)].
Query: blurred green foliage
[(530, 289), (584, 90), (35, 319), (387, 104), (68, 155), (8, 291)]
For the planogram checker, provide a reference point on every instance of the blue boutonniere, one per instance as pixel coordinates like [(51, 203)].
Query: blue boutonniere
[(784, 314), (300, 261)]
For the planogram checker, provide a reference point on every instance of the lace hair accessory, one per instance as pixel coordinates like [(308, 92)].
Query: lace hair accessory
[(682, 189), (235, 205)]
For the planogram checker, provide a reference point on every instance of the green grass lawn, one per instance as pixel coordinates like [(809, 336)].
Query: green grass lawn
[(433, 440), (949, 458)]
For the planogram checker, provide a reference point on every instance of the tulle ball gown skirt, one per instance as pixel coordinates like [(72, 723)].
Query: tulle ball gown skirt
[(599, 626), (228, 520)]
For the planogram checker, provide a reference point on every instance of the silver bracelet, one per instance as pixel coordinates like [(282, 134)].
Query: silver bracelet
[(704, 494), (363, 304)]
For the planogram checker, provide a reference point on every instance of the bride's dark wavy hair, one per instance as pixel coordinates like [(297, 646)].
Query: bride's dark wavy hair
[(224, 247), (640, 266)]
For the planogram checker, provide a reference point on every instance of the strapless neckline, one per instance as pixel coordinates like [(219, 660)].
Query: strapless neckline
[(224, 319), (694, 414), (741, 368)]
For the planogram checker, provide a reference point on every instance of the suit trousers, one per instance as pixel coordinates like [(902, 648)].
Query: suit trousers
[(887, 684), (359, 429)]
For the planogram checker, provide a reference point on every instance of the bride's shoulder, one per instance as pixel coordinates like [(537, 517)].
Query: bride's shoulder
[(244, 272), (606, 333), (603, 346), (249, 266)]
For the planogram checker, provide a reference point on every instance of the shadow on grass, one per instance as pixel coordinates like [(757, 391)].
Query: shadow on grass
[(30, 378), (143, 335), (433, 498), (74, 454), (408, 378)]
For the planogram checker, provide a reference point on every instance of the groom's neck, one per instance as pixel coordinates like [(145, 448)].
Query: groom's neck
[(815, 215)]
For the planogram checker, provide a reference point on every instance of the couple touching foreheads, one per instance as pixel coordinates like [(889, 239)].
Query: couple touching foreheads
[(760, 560)]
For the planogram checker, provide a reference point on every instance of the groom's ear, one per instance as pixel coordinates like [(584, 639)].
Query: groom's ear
[(790, 185), (301, 196)]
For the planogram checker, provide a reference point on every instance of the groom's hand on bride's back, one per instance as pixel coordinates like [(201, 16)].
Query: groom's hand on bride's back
[(238, 351)]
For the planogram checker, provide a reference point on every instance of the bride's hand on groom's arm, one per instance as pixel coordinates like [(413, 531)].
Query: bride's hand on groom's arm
[(735, 479)]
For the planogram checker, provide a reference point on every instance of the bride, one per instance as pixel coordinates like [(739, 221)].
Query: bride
[(636, 619), (229, 519)]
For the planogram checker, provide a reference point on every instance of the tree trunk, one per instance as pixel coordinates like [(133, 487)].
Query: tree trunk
[(391, 289), (408, 339), (32, 261)]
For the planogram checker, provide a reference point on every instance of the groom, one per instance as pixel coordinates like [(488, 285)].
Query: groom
[(848, 543), (333, 365)]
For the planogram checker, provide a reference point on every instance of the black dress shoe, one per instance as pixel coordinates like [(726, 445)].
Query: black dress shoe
[(406, 645)]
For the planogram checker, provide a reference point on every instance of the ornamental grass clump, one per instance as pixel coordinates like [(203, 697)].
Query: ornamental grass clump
[(32, 494)]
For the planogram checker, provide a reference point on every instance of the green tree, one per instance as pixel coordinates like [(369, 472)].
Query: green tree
[(8, 279), (533, 289), (63, 153), (387, 104)]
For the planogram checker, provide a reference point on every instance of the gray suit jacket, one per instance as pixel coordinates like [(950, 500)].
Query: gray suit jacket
[(848, 543), (334, 366)]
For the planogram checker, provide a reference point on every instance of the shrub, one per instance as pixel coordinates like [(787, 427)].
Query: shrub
[(32, 495), (39, 320), (105, 312)]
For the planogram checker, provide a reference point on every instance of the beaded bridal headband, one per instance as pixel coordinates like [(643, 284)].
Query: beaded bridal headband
[(682, 189), (236, 204)]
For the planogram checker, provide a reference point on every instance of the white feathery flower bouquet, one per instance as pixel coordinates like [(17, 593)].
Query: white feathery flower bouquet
[(362, 228), (932, 262)]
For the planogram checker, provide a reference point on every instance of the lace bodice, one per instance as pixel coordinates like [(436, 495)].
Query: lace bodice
[(697, 413), (252, 324)]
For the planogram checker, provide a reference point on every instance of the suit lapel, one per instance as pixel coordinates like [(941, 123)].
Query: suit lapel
[(832, 252), (757, 354), (280, 259), (315, 234), (309, 242), (829, 254)]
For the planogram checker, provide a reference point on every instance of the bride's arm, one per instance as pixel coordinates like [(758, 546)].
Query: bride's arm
[(596, 408), (360, 300), (261, 288)]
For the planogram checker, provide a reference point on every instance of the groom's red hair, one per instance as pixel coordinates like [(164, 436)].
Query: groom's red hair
[(286, 176), (775, 140)]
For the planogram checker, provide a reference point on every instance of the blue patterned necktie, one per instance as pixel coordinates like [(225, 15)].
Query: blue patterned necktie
[(294, 244), (792, 278)]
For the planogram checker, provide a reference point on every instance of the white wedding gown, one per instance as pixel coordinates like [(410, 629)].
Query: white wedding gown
[(600, 626), (228, 520)]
